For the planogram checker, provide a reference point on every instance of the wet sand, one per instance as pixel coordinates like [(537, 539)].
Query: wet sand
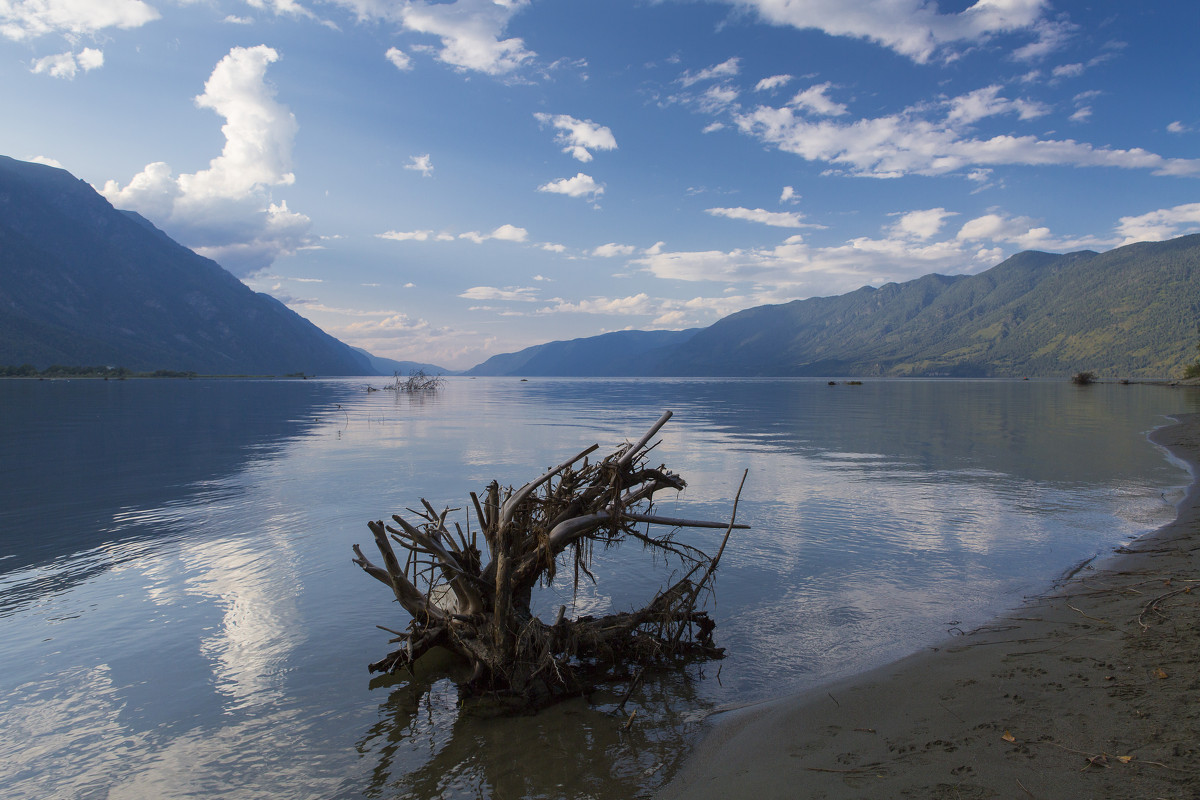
[(1090, 691)]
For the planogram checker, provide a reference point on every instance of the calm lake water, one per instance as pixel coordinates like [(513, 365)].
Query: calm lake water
[(180, 616)]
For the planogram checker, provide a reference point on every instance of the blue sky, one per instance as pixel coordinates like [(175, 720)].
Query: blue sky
[(443, 181)]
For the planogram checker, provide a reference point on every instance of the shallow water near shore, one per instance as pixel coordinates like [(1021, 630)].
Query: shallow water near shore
[(181, 617)]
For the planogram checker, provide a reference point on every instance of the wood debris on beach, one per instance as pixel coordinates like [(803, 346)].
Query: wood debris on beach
[(481, 610)]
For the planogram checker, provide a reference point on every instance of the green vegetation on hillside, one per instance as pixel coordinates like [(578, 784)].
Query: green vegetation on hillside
[(1130, 312)]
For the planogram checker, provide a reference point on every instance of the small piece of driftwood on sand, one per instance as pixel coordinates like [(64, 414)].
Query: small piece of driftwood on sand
[(482, 611)]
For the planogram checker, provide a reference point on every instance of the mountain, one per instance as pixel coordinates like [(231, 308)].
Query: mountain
[(84, 284), (389, 366), (607, 355), (1130, 312)]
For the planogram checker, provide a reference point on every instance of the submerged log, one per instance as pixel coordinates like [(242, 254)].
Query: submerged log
[(481, 611)]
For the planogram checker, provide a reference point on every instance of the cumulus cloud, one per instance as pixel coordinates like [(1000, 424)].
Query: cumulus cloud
[(226, 211), (726, 69), (405, 236), (1178, 127), (421, 164), (399, 58), (1067, 71), (28, 19), (815, 99), (67, 65), (777, 219), (471, 32), (580, 186), (1023, 232), (788, 195), (796, 269), (922, 224), (638, 304), (913, 28), (525, 294), (987, 102), (613, 250), (505, 233), (773, 82), (914, 141), (579, 137), (1165, 223)]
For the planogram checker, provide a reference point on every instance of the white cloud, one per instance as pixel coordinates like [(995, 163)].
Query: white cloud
[(580, 186), (909, 142), (717, 98), (987, 102), (28, 19), (1067, 71), (613, 250), (788, 195), (773, 82), (67, 65), (505, 233), (922, 224), (579, 137), (1165, 223), (1023, 232), (1082, 114), (470, 32), (913, 28), (281, 7), (1178, 127), (226, 211), (405, 236), (816, 100), (90, 59), (526, 294), (421, 164), (49, 162), (399, 58), (795, 269), (777, 219), (1051, 35), (713, 127), (726, 69), (638, 304)]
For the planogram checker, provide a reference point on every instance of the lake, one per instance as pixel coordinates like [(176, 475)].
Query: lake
[(181, 618)]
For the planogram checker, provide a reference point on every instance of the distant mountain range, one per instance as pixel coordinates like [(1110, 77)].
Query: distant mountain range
[(1130, 312), (84, 284), (607, 355), (389, 366)]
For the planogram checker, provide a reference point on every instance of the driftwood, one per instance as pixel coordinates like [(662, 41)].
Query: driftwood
[(480, 610)]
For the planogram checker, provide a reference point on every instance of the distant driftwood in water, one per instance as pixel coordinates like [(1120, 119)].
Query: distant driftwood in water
[(482, 612), (416, 382)]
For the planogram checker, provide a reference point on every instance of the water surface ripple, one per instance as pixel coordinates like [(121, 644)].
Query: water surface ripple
[(181, 617)]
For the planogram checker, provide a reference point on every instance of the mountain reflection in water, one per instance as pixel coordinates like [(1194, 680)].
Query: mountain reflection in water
[(181, 617)]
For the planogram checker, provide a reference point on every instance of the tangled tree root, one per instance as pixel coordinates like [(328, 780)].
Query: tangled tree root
[(481, 612)]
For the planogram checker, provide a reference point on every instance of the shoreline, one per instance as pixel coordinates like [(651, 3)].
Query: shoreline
[(1091, 689)]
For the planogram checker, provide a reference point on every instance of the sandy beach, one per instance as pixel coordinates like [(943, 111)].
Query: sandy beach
[(1089, 691)]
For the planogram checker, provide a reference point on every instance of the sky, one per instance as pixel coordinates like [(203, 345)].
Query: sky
[(445, 181)]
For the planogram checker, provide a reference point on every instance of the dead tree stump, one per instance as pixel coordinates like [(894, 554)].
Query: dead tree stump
[(481, 610)]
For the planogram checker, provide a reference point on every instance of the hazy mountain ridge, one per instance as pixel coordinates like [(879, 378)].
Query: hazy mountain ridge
[(607, 355), (84, 283), (1129, 312)]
